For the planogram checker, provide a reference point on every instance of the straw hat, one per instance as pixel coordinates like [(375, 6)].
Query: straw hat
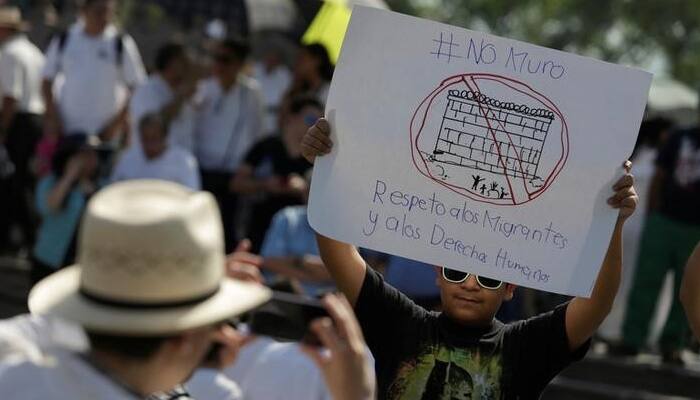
[(150, 262), (11, 17)]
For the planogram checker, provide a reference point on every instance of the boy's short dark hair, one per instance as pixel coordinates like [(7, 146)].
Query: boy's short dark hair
[(238, 46), (132, 347), (298, 103), (167, 53)]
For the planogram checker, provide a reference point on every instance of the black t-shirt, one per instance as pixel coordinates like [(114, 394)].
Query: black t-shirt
[(425, 355), (272, 150), (680, 159)]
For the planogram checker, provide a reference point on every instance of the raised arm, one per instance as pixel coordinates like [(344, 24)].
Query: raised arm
[(584, 316), (342, 260), (690, 291)]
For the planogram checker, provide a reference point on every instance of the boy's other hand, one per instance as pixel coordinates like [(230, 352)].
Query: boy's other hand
[(316, 141), (625, 198)]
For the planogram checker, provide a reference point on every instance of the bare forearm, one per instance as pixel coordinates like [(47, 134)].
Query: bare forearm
[(58, 193), (344, 264), (584, 316), (47, 94)]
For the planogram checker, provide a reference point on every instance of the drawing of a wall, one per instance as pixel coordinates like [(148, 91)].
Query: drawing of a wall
[(486, 134)]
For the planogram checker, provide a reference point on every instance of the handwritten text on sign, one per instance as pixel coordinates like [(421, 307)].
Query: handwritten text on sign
[(482, 51)]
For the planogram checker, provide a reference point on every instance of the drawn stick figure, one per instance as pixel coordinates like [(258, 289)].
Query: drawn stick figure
[(483, 188), (477, 181), (503, 194), (494, 188)]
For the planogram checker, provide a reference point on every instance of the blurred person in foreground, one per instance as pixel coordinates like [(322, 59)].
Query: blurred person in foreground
[(169, 91), (671, 230), (61, 197), (229, 108), (156, 158), (690, 291), (151, 296), (20, 122), (98, 66), (464, 352)]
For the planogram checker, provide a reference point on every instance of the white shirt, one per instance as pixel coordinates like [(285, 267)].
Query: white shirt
[(152, 96), (273, 85), (20, 73), (269, 370), (174, 165), (209, 383), (229, 123), (94, 84), (39, 359)]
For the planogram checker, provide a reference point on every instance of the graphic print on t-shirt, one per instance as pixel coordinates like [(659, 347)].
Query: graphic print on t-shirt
[(448, 373)]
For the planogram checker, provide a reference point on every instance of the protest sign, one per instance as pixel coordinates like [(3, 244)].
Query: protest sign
[(475, 152)]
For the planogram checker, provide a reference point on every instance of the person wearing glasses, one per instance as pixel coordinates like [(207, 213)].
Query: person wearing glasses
[(229, 123), (274, 168), (464, 352)]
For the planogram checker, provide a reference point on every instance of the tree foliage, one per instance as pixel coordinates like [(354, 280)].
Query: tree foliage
[(628, 31)]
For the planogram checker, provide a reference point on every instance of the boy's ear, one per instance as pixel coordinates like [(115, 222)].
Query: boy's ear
[(510, 291)]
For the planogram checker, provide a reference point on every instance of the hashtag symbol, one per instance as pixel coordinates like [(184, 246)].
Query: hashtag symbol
[(444, 48)]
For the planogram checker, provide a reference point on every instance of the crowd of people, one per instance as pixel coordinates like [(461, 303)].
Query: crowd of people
[(159, 208)]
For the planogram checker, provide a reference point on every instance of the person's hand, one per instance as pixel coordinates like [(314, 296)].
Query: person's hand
[(344, 361), (316, 141), (243, 265), (297, 184), (625, 198), (228, 342)]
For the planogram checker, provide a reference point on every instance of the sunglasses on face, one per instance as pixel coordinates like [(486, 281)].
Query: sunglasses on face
[(454, 276)]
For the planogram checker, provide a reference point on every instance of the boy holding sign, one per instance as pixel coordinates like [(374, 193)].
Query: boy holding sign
[(464, 352)]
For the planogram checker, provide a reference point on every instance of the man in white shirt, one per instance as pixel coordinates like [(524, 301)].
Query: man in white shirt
[(20, 120), (149, 293), (99, 66), (156, 158), (230, 122), (167, 91), (274, 78)]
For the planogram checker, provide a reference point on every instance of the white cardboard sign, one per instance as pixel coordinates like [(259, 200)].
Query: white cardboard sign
[(475, 152)]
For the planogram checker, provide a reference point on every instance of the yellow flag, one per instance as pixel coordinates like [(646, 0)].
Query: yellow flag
[(329, 26)]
